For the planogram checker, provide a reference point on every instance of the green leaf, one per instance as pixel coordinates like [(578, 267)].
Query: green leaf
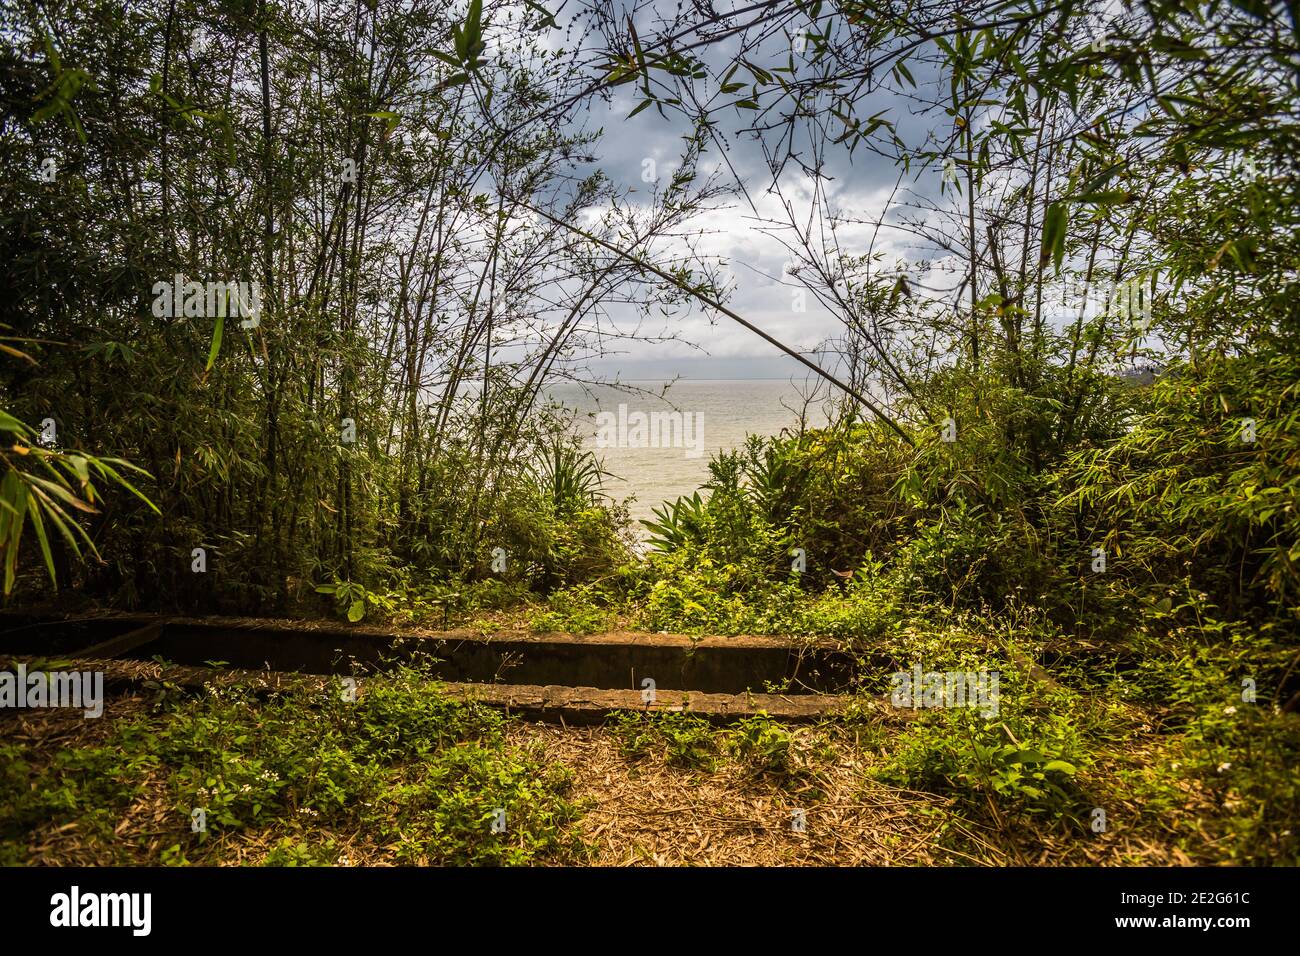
[(65, 525), (390, 118), (59, 491), (1055, 225), (10, 424), (548, 18), (15, 535), (78, 464), (104, 468), (1108, 197), (217, 332), (357, 611), (1256, 8), (38, 524)]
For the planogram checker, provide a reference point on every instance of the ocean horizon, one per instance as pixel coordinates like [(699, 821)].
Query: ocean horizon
[(656, 448)]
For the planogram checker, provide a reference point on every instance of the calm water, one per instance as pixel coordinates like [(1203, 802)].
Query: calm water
[(721, 414)]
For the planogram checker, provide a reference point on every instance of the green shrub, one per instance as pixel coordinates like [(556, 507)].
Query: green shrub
[(580, 609), (764, 744), (683, 741), (1028, 758), (415, 775)]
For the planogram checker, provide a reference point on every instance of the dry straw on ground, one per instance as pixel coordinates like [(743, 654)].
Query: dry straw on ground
[(643, 811)]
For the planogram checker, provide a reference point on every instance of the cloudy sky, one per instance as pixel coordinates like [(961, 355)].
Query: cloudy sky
[(863, 187), (706, 345)]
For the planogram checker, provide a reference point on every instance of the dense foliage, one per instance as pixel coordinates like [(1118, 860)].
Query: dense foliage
[(1102, 504), (401, 771)]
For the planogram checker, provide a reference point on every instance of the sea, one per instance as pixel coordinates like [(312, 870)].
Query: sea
[(654, 439)]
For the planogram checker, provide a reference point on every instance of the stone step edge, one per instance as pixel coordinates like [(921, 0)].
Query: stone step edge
[(553, 703)]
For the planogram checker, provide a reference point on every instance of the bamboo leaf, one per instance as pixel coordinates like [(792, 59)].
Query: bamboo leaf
[(11, 543), (61, 493), (38, 524), (217, 331), (1054, 230)]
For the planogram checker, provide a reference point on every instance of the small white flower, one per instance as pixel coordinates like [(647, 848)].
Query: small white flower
[(1225, 766), (1230, 709)]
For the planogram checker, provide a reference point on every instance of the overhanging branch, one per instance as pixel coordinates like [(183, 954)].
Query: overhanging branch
[(714, 304)]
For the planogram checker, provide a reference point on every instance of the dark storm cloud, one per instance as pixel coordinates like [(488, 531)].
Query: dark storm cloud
[(862, 184)]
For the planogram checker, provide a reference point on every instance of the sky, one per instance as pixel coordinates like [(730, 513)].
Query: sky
[(704, 344)]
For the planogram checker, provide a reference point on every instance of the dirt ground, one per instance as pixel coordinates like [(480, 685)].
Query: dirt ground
[(646, 812)]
